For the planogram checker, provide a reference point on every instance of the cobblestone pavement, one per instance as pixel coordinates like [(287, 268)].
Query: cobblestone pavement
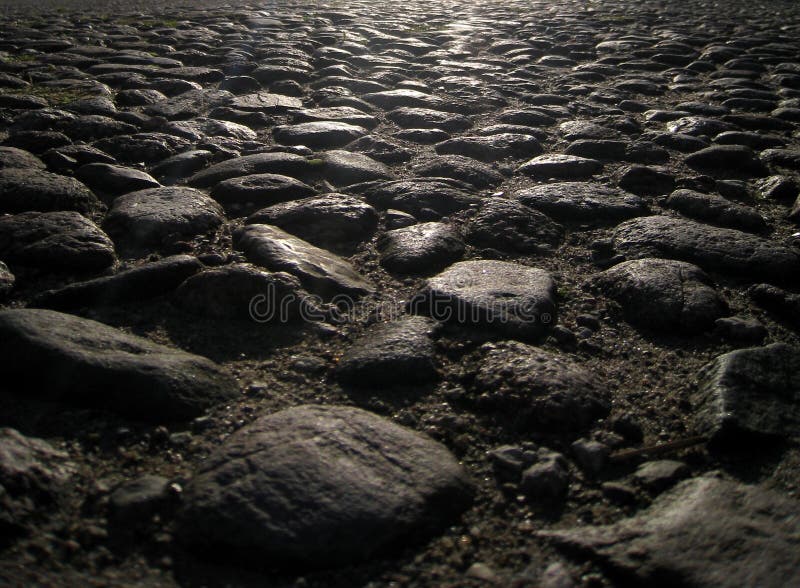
[(400, 293)]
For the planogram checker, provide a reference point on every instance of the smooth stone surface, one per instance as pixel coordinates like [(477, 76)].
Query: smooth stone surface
[(332, 221), (512, 299), (489, 148), (712, 248), (92, 364), (138, 283), (716, 210), (400, 352), (363, 483), (754, 391), (705, 532), (564, 167), (663, 295), (114, 180), (11, 157), (319, 134), (319, 270), (257, 190), (265, 102), (241, 291), (727, 161), (508, 225), (259, 163), (32, 189), (457, 167), (425, 118), (420, 248), (538, 390), (583, 202), (647, 181), (145, 219), (343, 168), (424, 199), (61, 242)]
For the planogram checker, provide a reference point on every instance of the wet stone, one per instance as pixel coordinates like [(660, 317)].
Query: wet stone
[(399, 352), (247, 193), (538, 390), (392, 99), (423, 118), (60, 242), (137, 283), (343, 168), (33, 189), (503, 297), (148, 218), (424, 199), (94, 365), (712, 248), (340, 114), (508, 225), (243, 292), (318, 135), (322, 461), (565, 167), (110, 181), (749, 392), (332, 221), (490, 148), (706, 531), (319, 270), (663, 295), (421, 248), (274, 163), (459, 168), (581, 202)]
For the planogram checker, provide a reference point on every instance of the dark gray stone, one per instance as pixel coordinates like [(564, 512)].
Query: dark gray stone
[(420, 248), (508, 225), (180, 166), (489, 148), (512, 299), (242, 292), (705, 532), (343, 168), (716, 210), (114, 180), (265, 102), (727, 161), (663, 295), (341, 114), (363, 483), (282, 163), (136, 501), (31, 468), (7, 280), (319, 134), (647, 181), (538, 390), (332, 221), (149, 148), (754, 391), (581, 202), (32, 189), (457, 167), (391, 99), (138, 283), (429, 199), (546, 482), (60, 242), (424, 118), (712, 248), (246, 193), (399, 352), (11, 157), (92, 364), (660, 475), (147, 218), (319, 270), (564, 167)]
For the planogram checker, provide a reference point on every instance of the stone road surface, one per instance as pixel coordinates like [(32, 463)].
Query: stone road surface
[(392, 293)]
